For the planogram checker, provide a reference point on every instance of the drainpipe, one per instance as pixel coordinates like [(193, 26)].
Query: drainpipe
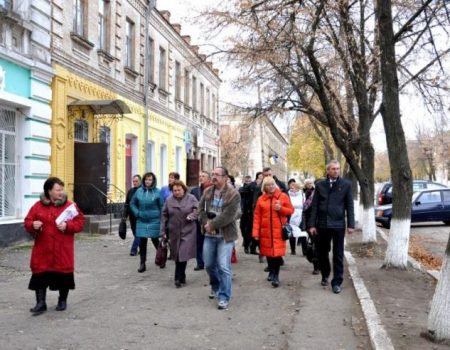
[(151, 5)]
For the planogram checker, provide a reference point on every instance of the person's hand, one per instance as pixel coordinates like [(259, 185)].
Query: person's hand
[(62, 227), (37, 225), (277, 205), (350, 230), (312, 231), (256, 238), (208, 228)]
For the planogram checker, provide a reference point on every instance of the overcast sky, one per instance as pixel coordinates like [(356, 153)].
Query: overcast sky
[(183, 12)]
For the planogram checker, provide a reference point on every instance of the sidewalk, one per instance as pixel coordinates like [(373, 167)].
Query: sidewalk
[(402, 297), (114, 307)]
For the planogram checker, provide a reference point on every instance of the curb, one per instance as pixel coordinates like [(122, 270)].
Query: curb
[(378, 336), (411, 261)]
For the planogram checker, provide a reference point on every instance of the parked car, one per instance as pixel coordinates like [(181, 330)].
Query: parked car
[(384, 195), (427, 205)]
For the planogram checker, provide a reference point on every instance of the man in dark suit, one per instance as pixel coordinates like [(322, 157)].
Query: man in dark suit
[(332, 204)]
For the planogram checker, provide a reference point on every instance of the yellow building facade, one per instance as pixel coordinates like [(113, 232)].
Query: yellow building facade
[(126, 135)]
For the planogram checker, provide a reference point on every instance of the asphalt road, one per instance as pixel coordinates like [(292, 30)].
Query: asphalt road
[(114, 307), (433, 235)]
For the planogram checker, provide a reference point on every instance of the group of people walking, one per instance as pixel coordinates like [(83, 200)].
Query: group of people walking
[(201, 224)]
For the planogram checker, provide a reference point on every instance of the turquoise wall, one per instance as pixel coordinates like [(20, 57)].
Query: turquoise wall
[(17, 79)]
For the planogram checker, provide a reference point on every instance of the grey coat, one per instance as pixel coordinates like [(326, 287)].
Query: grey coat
[(182, 232)]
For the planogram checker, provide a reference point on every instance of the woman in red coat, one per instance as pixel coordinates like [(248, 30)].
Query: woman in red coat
[(52, 222), (271, 212)]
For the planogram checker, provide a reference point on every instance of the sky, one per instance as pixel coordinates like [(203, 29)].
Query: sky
[(184, 12)]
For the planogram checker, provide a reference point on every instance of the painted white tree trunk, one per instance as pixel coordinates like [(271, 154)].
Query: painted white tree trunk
[(397, 250), (369, 229), (359, 215), (439, 316)]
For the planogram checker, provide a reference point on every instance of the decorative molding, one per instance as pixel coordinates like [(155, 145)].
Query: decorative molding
[(131, 72), (82, 41), (105, 56)]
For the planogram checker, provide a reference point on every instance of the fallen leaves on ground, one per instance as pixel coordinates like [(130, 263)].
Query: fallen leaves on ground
[(423, 256)]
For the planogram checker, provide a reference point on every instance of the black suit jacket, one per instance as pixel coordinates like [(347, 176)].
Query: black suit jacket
[(332, 205)]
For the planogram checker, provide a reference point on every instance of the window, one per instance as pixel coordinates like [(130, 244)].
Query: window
[(105, 137), (103, 24), (446, 195), (6, 4), (213, 117), (178, 159), (430, 197), (186, 87), (7, 162), (163, 164), (129, 44), (78, 16), (208, 104), (194, 93), (81, 131), (177, 80), (151, 155), (151, 60), (162, 68), (202, 99), (16, 38)]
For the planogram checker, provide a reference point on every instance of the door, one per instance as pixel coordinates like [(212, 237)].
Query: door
[(192, 172), (427, 207), (128, 164), (90, 182)]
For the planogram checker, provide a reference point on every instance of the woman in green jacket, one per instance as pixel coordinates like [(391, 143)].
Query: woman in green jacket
[(146, 206)]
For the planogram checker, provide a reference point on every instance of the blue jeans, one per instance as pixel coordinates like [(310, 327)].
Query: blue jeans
[(217, 257), (136, 240)]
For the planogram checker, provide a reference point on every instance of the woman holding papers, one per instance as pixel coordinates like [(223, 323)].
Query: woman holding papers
[(146, 206), (53, 221)]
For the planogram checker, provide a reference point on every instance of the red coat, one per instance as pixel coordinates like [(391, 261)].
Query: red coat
[(267, 225), (53, 249)]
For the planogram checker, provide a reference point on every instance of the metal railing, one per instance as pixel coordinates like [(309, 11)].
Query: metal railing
[(101, 203)]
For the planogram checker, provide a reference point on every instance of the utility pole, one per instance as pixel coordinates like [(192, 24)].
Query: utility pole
[(150, 6)]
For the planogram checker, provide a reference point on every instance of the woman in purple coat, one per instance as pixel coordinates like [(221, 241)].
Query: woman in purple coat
[(179, 217)]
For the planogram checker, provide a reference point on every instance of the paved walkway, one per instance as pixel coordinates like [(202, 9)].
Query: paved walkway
[(114, 307)]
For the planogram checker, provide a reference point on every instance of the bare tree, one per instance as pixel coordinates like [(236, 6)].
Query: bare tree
[(439, 316), (322, 58)]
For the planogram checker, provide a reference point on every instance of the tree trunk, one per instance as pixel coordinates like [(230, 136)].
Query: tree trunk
[(397, 251), (439, 316)]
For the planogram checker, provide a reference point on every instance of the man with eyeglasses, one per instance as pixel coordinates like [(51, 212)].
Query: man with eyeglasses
[(219, 208)]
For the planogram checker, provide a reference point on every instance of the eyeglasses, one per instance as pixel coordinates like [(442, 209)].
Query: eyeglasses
[(214, 174)]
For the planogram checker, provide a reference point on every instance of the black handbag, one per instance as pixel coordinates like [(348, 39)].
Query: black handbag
[(123, 229), (310, 250), (161, 253), (286, 230)]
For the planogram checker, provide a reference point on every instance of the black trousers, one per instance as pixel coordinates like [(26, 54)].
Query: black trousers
[(143, 247), (246, 225), (274, 264), (323, 241), (200, 239), (180, 271)]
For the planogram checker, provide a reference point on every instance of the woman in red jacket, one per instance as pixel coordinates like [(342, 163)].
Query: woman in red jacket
[(271, 212), (52, 222)]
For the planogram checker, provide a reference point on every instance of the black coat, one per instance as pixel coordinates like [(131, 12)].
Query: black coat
[(127, 210), (332, 205)]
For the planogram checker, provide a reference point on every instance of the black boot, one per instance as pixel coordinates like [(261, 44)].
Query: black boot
[(275, 280), (62, 300), (270, 277), (41, 306), (142, 266)]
